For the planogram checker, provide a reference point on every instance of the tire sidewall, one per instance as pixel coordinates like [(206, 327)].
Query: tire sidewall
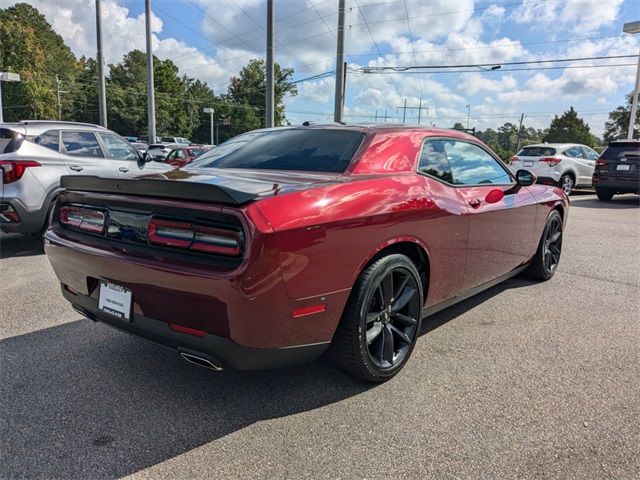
[(547, 225), (386, 265)]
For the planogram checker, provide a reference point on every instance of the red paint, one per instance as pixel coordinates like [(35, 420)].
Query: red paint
[(308, 236), (304, 311), (189, 331)]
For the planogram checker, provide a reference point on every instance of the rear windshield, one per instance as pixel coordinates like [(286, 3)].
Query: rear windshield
[(621, 150), (536, 152), (311, 150), (10, 141)]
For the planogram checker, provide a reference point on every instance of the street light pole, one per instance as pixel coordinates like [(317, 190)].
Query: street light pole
[(633, 28), (102, 95), (468, 115), (151, 101), (338, 108), (210, 111), (269, 107)]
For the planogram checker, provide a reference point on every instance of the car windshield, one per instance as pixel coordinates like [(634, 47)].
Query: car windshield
[(621, 150), (196, 152), (168, 139), (536, 152), (312, 150)]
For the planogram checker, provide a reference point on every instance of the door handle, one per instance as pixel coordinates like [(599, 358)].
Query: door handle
[(123, 169), (75, 168), (475, 203)]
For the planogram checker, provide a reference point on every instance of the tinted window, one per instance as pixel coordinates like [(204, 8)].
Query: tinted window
[(119, 149), (589, 154), (194, 152), (10, 141), (575, 152), (81, 144), (434, 161), (49, 139), (471, 165), (536, 152), (621, 149), (290, 149)]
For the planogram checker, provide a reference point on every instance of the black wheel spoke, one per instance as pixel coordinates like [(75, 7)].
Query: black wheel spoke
[(555, 237), (387, 340), (403, 299), (404, 319), (403, 336), (398, 291), (373, 316), (374, 332), (387, 289)]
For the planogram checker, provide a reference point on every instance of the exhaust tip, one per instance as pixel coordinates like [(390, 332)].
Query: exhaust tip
[(201, 361)]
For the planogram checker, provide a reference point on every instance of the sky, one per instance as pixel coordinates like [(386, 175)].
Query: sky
[(212, 39)]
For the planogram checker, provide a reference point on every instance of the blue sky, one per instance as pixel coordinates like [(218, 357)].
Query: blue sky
[(211, 40)]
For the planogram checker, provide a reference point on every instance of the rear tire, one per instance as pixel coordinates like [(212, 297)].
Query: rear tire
[(567, 183), (604, 195), (381, 323), (545, 263)]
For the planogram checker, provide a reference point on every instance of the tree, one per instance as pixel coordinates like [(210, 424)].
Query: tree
[(29, 46), (618, 124), (569, 128), (249, 88)]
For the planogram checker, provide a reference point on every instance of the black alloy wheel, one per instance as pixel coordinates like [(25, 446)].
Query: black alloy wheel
[(545, 262), (381, 323)]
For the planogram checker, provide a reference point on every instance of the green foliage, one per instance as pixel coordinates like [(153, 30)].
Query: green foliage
[(570, 128), (617, 126), (31, 48)]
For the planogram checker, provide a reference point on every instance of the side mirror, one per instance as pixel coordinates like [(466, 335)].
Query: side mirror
[(146, 157), (525, 178)]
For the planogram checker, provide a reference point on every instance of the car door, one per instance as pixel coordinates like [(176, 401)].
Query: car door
[(580, 165), (502, 214), (590, 157), (83, 154), (127, 159)]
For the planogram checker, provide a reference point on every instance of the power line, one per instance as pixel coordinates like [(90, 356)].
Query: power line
[(504, 70)]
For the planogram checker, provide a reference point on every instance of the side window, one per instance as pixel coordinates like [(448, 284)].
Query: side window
[(179, 153), (575, 152), (171, 155), (434, 162), (81, 144), (118, 149), (49, 139), (472, 165), (589, 154)]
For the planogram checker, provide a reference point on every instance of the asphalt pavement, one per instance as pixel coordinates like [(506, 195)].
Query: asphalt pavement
[(526, 380)]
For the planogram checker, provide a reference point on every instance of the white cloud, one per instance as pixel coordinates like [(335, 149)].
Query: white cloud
[(578, 15)]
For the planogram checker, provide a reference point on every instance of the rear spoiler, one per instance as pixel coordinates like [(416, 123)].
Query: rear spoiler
[(157, 187)]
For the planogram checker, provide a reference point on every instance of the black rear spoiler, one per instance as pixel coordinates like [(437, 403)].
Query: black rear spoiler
[(157, 187)]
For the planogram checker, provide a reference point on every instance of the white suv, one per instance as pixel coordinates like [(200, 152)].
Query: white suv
[(567, 165), (34, 154)]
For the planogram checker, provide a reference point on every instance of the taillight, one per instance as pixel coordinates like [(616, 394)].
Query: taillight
[(552, 161), (514, 159), (602, 164), (12, 170), (200, 238), (83, 218)]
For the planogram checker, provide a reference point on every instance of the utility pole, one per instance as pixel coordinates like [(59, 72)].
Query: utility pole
[(519, 130), (468, 114), (151, 102), (419, 108), (58, 97), (102, 95), (269, 112), (385, 116), (210, 111), (338, 108), (376, 116)]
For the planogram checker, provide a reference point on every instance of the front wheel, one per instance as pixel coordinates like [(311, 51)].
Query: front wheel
[(545, 263), (604, 195), (380, 325)]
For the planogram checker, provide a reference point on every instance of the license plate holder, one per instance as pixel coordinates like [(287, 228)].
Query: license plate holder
[(623, 167), (115, 300), (528, 163)]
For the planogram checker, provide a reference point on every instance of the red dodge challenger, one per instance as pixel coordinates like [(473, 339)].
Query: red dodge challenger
[(283, 244)]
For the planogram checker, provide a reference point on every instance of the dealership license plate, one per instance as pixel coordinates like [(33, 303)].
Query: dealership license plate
[(623, 167), (529, 163), (115, 300)]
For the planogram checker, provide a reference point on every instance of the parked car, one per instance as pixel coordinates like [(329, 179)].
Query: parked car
[(176, 140), (288, 242), (34, 154), (567, 165), (141, 146), (618, 169), (159, 151), (179, 157)]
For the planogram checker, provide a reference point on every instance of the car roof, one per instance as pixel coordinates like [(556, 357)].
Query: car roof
[(556, 145), (35, 127)]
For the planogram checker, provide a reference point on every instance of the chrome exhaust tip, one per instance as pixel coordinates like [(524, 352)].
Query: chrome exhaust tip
[(201, 361)]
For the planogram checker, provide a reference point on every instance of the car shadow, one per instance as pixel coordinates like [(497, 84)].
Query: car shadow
[(617, 203), (17, 245), (81, 400)]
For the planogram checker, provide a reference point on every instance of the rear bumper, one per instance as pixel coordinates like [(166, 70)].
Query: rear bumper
[(222, 350), (628, 184), (30, 221)]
